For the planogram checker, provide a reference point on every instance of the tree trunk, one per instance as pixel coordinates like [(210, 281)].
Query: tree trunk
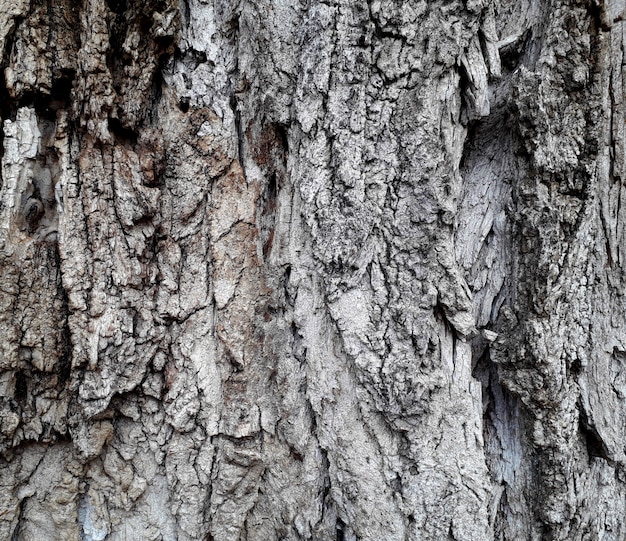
[(312, 270)]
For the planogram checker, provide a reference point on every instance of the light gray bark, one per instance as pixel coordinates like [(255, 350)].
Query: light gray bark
[(312, 270)]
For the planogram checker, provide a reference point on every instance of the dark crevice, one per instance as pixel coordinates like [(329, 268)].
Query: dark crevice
[(283, 138), (289, 298), (511, 53), (598, 18), (272, 191), (123, 134), (16, 535), (33, 212), (191, 58), (65, 360), (116, 57), (381, 33), (65, 339), (575, 368), (464, 87), (269, 151), (145, 25), (156, 88), (269, 242), (62, 89), (340, 530), (46, 105), (183, 104), (269, 212), (473, 129), (504, 510), (117, 6), (596, 447), (8, 105), (440, 313), (240, 134), (21, 388)]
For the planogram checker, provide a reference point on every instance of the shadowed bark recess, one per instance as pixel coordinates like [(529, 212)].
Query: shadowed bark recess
[(312, 270)]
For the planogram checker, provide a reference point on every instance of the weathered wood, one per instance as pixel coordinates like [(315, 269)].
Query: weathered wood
[(312, 270)]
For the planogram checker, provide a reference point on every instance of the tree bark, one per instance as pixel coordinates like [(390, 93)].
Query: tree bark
[(312, 270)]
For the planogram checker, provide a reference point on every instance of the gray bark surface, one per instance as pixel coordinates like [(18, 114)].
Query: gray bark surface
[(309, 270)]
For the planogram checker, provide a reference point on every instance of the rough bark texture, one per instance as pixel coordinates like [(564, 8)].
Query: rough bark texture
[(307, 270)]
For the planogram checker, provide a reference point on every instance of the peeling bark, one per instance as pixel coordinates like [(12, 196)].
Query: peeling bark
[(309, 271)]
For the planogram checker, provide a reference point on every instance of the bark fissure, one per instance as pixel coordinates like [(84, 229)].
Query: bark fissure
[(321, 270)]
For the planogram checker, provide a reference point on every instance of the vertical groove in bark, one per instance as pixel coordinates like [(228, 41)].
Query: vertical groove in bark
[(341, 270)]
